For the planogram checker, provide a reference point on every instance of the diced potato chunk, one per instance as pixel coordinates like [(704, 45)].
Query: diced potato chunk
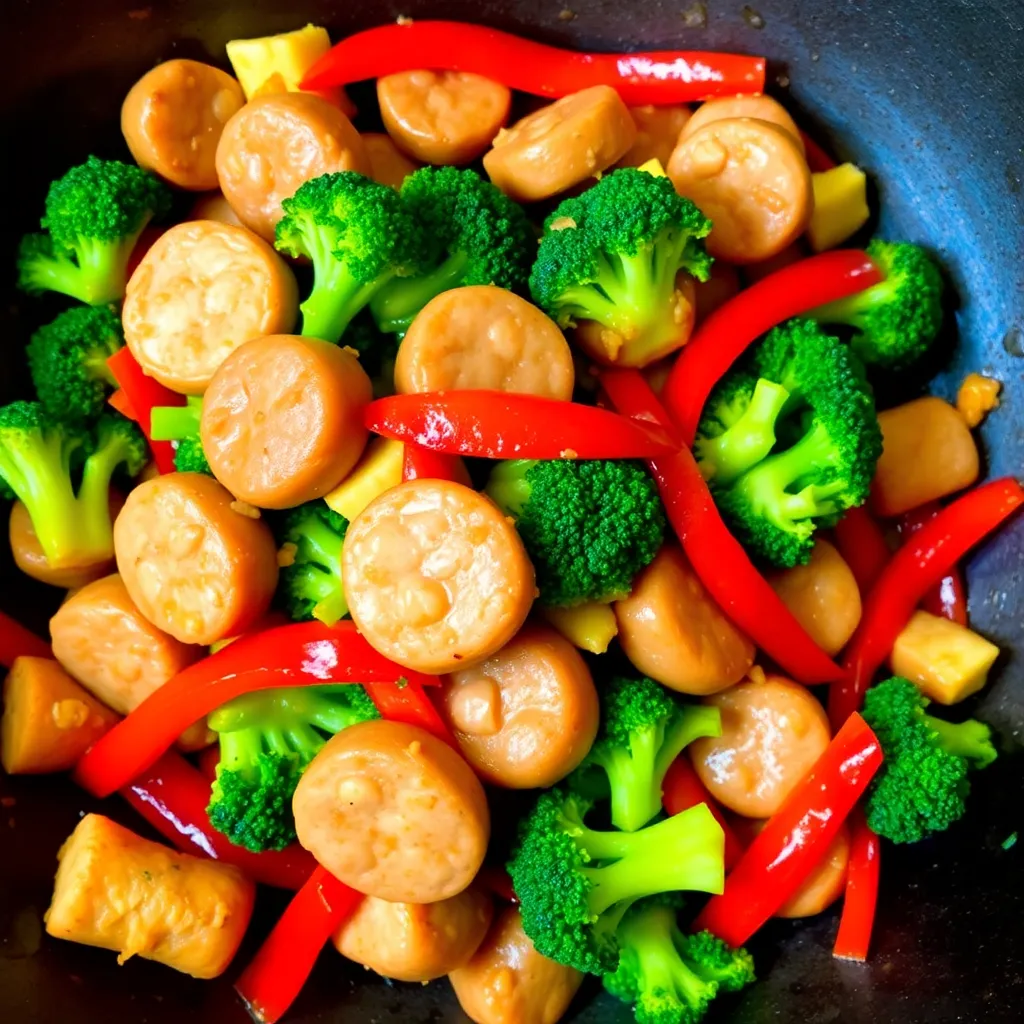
[(378, 470), (946, 661), (840, 206), (977, 397), (591, 626)]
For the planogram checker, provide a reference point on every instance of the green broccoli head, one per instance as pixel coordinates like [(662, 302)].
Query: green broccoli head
[(643, 729), (923, 784), (94, 216), (473, 234), (574, 883), (896, 321), (612, 255), (311, 585), (266, 741), (828, 442), (357, 234), (589, 526), (68, 361), (189, 456), (180, 424)]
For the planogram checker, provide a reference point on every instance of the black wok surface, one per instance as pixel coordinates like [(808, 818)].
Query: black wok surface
[(929, 97)]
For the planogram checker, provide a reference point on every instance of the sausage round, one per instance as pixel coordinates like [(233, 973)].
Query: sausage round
[(274, 144), (195, 562), (436, 577), (282, 419), (484, 337), (561, 144), (416, 942), (173, 117), (388, 164), (213, 206), (773, 731), (442, 117), (203, 289), (393, 812), (509, 982), (527, 716), (750, 178), (657, 132), (672, 630), (763, 108)]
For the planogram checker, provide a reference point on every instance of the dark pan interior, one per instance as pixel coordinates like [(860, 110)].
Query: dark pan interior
[(929, 97)]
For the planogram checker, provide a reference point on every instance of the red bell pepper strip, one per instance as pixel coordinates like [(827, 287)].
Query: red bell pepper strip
[(717, 557), (664, 76), (724, 336), (407, 701), (172, 796), (496, 880), (796, 837), (300, 654), (499, 425), (948, 597), (854, 937), (16, 641), (275, 976), (142, 393), (683, 789), (423, 464), (119, 402), (817, 159), (861, 542), (922, 562)]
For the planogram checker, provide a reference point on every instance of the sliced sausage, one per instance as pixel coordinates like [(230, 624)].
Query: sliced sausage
[(202, 290), (194, 560), (561, 144), (823, 595), (416, 941), (274, 144), (101, 637), (773, 731), (657, 133), (764, 108), (173, 117), (484, 337), (388, 164), (394, 812), (509, 982), (442, 117), (672, 630), (119, 891), (750, 178), (213, 206), (527, 716), (282, 420), (436, 577)]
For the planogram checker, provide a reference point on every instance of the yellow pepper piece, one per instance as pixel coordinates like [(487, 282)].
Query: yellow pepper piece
[(591, 626), (377, 471), (653, 166), (977, 397), (840, 206), (285, 58)]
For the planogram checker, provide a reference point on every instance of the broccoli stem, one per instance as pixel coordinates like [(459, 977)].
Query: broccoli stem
[(321, 546), (855, 309), (105, 264), (175, 422), (396, 306), (971, 740), (98, 368), (61, 274), (239, 750), (651, 936), (508, 487)]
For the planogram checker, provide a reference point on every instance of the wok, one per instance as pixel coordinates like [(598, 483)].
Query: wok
[(929, 97)]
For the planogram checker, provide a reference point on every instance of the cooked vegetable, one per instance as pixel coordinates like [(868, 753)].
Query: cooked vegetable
[(37, 455), (358, 236), (180, 423), (589, 526), (861, 897), (378, 470), (643, 729), (683, 789), (17, 642), (575, 882), (266, 742), (840, 205), (68, 361), (896, 320), (94, 216), (923, 785), (590, 626), (310, 585)]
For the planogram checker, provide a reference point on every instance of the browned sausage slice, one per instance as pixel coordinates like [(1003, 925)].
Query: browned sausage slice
[(657, 132), (764, 108), (393, 812), (213, 206), (388, 164)]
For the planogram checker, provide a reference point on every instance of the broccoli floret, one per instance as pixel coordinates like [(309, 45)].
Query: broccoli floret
[(896, 321), (68, 361), (180, 424), (612, 255), (589, 526), (310, 586), (828, 442), (189, 456), (266, 741), (574, 883), (923, 784), (358, 236), (473, 234), (670, 977), (643, 729), (94, 216), (38, 453)]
